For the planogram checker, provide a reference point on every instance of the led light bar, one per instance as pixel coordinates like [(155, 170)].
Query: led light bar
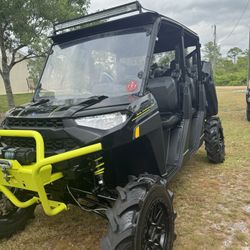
[(112, 12)]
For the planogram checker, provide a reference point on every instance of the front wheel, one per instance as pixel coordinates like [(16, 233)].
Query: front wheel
[(142, 217), (12, 218)]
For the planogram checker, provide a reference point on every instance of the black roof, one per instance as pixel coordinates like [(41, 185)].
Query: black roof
[(170, 26)]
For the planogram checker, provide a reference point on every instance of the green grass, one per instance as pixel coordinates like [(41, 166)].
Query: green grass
[(211, 200), (19, 99)]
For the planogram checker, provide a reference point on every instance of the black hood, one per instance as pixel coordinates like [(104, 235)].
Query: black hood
[(69, 108)]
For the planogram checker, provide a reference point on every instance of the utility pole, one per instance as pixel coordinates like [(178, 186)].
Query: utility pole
[(214, 35), (215, 47)]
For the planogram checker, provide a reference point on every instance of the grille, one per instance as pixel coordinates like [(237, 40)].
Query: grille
[(34, 123), (50, 145)]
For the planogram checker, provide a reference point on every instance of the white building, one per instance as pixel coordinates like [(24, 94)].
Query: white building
[(18, 78)]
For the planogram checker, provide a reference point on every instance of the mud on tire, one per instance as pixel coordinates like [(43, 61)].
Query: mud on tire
[(214, 140), (13, 219), (142, 216)]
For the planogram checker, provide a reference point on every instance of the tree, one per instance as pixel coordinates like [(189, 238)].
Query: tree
[(245, 52), (228, 73), (24, 25), (35, 67), (234, 53), (211, 52), (166, 58)]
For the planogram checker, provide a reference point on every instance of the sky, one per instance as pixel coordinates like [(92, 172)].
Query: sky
[(231, 17)]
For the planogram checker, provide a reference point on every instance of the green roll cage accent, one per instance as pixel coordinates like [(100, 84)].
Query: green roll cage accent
[(36, 176)]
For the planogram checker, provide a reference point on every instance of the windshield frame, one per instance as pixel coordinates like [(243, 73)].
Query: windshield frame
[(151, 29)]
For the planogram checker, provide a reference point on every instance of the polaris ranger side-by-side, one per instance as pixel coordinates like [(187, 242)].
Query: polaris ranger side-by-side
[(120, 106)]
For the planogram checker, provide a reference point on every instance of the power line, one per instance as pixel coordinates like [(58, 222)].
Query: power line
[(237, 23)]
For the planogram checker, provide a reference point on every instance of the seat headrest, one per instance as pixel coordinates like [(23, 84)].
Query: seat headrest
[(165, 92)]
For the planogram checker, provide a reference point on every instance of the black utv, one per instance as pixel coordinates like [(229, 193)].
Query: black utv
[(121, 105)]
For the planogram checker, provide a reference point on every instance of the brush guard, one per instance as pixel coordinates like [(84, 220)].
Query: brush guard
[(36, 176)]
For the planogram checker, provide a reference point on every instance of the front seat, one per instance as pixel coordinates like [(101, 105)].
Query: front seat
[(165, 92)]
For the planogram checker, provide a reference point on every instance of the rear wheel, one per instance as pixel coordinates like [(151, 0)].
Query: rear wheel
[(12, 218), (214, 140), (142, 217)]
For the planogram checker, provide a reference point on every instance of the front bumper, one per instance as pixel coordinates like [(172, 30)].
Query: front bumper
[(36, 176)]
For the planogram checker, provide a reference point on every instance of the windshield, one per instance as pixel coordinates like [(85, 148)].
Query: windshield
[(108, 64)]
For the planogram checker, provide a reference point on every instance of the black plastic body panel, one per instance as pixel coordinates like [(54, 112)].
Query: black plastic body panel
[(156, 149), (211, 97)]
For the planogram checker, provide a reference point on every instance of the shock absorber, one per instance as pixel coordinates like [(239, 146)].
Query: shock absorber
[(99, 170)]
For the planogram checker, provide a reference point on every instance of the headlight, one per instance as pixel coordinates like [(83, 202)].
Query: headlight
[(103, 122)]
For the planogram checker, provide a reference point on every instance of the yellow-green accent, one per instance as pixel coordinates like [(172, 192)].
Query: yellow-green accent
[(36, 176), (141, 113), (101, 164), (99, 170), (15, 201), (98, 159)]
